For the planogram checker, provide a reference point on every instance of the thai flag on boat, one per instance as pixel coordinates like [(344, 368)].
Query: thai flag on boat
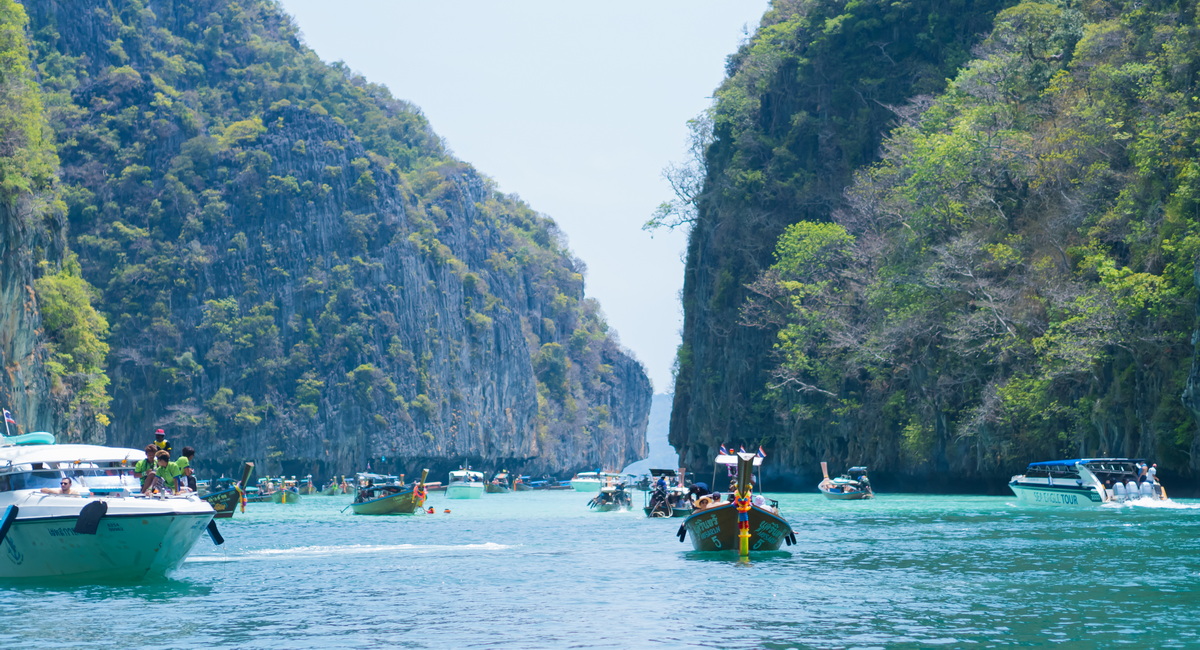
[(760, 453), (742, 450), (8, 417), (724, 451)]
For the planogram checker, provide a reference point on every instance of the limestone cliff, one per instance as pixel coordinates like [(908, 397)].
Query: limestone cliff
[(297, 272)]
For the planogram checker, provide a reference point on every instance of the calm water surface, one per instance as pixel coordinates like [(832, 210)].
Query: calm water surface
[(539, 570)]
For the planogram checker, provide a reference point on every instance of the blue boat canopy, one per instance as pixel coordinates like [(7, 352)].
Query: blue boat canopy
[(1071, 463)]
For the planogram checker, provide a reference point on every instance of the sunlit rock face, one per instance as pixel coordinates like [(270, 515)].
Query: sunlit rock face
[(298, 273)]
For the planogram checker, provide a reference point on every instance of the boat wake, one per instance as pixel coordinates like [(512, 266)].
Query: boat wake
[(1152, 503), (353, 549)]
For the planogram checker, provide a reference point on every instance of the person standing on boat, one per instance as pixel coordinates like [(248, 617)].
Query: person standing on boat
[(161, 442)]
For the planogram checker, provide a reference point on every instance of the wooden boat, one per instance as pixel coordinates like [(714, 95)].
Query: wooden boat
[(520, 484), (500, 484), (307, 486), (330, 490), (287, 493), (671, 500), (611, 498), (225, 501), (388, 497), (852, 485), (748, 523)]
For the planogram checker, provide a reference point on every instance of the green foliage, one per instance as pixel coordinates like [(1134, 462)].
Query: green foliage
[(75, 329), (1018, 270)]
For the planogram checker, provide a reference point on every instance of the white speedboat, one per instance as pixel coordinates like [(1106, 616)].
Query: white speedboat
[(105, 529), (1085, 482), (593, 481), (465, 484)]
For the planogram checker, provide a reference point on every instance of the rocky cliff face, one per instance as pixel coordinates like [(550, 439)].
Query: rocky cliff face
[(297, 273), (32, 243)]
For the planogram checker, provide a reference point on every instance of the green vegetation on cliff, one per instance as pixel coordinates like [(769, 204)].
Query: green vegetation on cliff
[(807, 101), (295, 269), (56, 380), (1014, 280)]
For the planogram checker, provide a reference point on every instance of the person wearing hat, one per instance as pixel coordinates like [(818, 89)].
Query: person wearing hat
[(160, 440)]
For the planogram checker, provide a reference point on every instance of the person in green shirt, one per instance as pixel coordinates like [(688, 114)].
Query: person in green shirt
[(187, 477), (167, 472), (144, 468)]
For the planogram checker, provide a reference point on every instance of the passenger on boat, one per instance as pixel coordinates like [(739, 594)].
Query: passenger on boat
[(184, 465), (166, 474), (144, 469), (65, 489)]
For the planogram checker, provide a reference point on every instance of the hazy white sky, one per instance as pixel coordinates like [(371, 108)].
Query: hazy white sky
[(576, 107)]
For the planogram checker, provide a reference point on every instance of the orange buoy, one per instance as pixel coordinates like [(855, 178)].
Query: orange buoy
[(447, 511)]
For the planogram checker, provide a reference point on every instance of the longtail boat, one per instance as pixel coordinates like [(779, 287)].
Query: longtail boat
[(287, 492), (307, 486), (852, 485), (748, 523), (226, 501), (390, 498), (611, 498), (500, 484), (332, 489)]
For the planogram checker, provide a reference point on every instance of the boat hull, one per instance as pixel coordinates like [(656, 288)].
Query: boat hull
[(464, 491), (403, 503), (285, 496), (611, 507), (330, 491), (224, 502), (847, 496), (586, 485), (124, 548), (675, 512), (492, 488), (1048, 495), (716, 529)]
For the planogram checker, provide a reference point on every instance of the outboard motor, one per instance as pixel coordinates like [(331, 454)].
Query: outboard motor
[(1147, 490), (1132, 487), (1118, 491)]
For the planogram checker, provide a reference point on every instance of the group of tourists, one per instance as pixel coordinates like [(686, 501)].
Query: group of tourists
[(162, 475)]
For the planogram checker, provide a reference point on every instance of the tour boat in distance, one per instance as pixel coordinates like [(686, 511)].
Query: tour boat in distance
[(465, 484), (747, 523), (1087, 481), (103, 528), (593, 481), (854, 484)]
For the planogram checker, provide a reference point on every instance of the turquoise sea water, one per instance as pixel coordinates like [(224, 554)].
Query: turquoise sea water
[(539, 570)]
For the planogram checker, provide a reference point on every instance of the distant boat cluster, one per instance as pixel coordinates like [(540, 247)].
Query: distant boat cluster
[(82, 511)]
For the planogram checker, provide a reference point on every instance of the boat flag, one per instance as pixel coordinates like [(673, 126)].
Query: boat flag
[(8, 417), (760, 453), (724, 451), (742, 449)]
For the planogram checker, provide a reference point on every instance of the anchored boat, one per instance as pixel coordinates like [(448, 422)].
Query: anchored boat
[(499, 484), (465, 484), (747, 523), (102, 527), (382, 495), (852, 485), (227, 497), (1087, 481)]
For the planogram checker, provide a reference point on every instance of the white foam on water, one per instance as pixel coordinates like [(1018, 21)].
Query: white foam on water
[(352, 549), (1143, 502)]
